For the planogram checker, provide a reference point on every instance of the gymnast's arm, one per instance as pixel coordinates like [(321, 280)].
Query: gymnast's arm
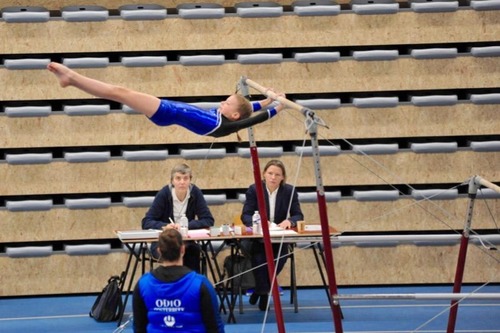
[(256, 106), (227, 127)]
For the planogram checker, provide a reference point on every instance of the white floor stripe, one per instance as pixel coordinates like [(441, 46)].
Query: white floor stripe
[(285, 308), (45, 317)]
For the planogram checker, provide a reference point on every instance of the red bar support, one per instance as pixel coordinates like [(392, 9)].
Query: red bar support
[(330, 267), (462, 254), (267, 238), (457, 286)]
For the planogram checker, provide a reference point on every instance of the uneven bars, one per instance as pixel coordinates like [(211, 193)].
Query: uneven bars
[(269, 93), (487, 184), (311, 123), (408, 239), (425, 296)]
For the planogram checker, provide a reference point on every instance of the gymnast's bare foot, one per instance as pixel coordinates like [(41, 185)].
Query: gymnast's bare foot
[(63, 73)]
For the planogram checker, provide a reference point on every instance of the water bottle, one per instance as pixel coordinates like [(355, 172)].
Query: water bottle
[(256, 226), (225, 229), (183, 222), (184, 232)]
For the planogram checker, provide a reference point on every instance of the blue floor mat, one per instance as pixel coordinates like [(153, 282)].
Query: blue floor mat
[(70, 314)]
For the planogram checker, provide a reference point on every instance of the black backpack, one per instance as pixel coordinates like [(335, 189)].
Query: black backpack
[(241, 269), (109, 304)]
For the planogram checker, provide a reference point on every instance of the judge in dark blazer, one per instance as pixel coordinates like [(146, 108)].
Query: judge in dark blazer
[(177, 198), (279, 196)]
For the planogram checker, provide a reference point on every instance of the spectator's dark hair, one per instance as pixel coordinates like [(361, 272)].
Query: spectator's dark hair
[(169, 245)]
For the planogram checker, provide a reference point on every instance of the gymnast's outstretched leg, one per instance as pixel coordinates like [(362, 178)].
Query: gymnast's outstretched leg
[(140, 102)]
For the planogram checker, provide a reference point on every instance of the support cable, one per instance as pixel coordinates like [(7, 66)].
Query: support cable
[(312, 121)]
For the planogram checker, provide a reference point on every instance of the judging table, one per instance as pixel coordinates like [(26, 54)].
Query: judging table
[(138, 243)]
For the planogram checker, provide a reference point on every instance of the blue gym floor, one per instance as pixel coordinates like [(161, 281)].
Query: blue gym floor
[(70, 313)]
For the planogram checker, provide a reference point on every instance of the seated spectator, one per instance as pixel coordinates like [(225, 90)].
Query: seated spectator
[(171, 202), (278, 196)]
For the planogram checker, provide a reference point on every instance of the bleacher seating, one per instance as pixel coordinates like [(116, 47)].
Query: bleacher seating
[(84, 13), (408, 92)]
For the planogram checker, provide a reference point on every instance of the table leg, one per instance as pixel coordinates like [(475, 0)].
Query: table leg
[(230, 285), (320, 249), (134, 270), (211, 255), (293, 280)]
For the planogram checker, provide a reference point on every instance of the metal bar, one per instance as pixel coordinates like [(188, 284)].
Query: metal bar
[(487, 184), (263, 215), (267, 238), (269, 93), (397, 238), (329, 264), (311, 124), (462, 255), (420, 296), (408, 239)]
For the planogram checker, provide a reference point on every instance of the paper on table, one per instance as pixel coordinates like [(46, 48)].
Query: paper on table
[(276, 230), (274, 227), (282, 232), (198, 233), (312, 227), (138, 234)]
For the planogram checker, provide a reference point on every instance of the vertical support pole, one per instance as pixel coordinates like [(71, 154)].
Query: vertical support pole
[(462, 254), (325, 231), (311, 124), (263, 214)]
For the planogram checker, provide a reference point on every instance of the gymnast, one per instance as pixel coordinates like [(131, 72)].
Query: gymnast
[(234, 114)]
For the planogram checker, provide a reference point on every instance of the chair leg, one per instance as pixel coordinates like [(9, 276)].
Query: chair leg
[(293, 280), (203, 264), (240, 299)]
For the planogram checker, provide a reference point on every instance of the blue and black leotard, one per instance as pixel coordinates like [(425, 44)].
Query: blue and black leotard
[(205, 122)]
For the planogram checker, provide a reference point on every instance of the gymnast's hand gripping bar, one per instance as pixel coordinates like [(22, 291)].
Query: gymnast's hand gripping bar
[(308, 113), (269, 93)]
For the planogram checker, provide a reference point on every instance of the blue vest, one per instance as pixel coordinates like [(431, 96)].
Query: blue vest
[(173, 307)]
